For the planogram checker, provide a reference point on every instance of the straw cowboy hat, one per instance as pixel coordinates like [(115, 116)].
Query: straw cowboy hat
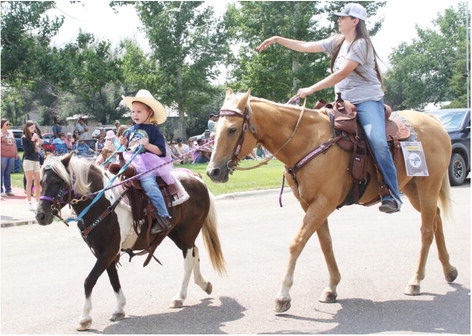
[(145, 97)]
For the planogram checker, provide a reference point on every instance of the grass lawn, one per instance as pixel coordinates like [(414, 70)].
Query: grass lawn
[(266, 177)]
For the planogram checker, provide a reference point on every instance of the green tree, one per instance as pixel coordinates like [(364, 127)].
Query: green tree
[(278, 72), (94, 75), (187, 45), (433, 68), (25, 36)]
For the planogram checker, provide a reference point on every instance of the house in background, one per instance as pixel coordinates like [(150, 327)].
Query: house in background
[(90, 121)]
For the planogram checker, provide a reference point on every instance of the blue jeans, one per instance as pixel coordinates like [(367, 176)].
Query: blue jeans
[(7, 167), (371, 116), (152, 190)]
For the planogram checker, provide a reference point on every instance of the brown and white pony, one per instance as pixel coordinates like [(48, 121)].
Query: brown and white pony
[(323, 183), (65, 178)]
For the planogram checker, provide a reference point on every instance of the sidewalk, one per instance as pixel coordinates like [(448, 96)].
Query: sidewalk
[(14, 209)]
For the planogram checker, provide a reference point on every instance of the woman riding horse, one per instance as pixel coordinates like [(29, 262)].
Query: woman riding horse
[(356, 75)]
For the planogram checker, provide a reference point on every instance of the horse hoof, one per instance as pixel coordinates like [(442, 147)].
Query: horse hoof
[(452, 275), (412, 290), (84, 325), (328, 297), (209, 288), (282, 305), (176, 304), (117, 317)]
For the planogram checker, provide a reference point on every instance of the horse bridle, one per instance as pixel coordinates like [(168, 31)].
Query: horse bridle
[(57, 201), (234, 161)]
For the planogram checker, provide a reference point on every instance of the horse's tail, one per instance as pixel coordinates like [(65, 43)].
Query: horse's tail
[(211, 239), (445, 198)]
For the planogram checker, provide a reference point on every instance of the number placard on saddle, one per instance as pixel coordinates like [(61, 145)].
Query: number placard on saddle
[(415, 161)]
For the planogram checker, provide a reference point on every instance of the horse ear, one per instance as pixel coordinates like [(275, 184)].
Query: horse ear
[(229, 92), (244, 100), (66, 159)]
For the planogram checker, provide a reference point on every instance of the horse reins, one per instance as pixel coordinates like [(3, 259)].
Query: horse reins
[(232, 164)]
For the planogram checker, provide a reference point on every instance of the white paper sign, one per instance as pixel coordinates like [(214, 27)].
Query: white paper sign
[(415, 161)]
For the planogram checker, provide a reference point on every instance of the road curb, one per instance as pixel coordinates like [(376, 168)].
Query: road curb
[(18, 223), (230, 196), (241, 194)]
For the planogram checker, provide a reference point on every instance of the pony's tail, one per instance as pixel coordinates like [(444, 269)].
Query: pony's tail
[(211, 239), (445, 198)]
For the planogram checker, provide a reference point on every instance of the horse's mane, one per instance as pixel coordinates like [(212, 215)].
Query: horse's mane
[(75, 175), (286, 105)]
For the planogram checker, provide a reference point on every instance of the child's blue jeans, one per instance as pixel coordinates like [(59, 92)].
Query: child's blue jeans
[(152, 190)]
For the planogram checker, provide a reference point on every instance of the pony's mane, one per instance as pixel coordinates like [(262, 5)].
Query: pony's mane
[(75, 175)]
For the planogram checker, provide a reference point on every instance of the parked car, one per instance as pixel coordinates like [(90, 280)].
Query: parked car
[(105, 129), (48, 138), (457, 124), (18, 134)]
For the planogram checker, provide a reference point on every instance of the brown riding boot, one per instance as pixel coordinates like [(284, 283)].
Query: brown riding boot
[(161, 225)]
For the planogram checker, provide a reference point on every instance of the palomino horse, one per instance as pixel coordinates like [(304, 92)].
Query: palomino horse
[(65, 178), (324, 182)]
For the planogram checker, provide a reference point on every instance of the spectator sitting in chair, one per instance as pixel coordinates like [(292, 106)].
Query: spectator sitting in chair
[(84, 149), (182, 149), (203, 153), (69, 141), (60, 145)]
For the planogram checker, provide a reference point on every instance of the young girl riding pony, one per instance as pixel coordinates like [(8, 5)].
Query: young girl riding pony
[(145, 138)]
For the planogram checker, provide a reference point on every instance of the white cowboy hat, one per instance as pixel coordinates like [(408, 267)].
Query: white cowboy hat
[(145, 97)]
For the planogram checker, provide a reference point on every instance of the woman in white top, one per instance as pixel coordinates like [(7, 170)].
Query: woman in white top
[(355, 74)]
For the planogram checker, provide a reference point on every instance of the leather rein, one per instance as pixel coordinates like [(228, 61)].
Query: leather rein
[(234, 161), (232, 164), (59, 199)]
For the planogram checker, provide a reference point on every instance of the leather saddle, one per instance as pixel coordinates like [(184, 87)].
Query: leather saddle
[(169, 191), (343, 118), (144, 213), (395, 130)]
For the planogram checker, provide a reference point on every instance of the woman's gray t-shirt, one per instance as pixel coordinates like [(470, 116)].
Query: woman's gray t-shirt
[(355, 88)]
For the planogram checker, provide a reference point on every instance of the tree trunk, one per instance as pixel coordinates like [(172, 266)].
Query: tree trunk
[(181, 128)]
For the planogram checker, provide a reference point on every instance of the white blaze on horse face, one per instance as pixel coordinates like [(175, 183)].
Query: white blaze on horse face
[(227, 136)]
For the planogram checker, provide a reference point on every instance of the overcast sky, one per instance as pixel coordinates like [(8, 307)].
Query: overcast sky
[(95, 16)]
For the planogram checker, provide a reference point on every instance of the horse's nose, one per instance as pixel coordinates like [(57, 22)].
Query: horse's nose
[(40, 216), (214, 173)]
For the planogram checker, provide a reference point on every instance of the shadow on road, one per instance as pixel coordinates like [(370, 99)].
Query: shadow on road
[(448, 313), (203, 318)]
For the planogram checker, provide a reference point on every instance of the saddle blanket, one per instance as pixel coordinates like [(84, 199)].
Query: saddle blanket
[(182, 194)]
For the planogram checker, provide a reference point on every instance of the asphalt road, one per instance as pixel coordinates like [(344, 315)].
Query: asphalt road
[(43, 269)]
